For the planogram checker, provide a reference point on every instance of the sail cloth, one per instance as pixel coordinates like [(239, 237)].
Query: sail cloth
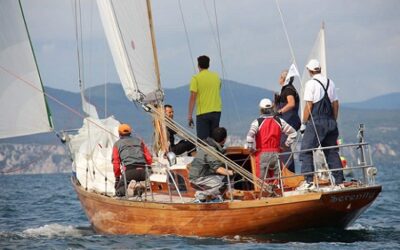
[(22, 102), (127, 27), (91, 149), (317, 52)]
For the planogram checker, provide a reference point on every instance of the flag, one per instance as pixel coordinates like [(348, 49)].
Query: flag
[(291, 72)]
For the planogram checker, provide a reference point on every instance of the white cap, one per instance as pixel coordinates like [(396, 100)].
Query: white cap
[(313, 65), (265, 103)]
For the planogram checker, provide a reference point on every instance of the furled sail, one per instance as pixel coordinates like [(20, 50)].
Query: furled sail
[(127, 25), (318, 52), (22, 102)]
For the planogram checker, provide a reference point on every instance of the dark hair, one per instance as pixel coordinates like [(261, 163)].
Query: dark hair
[(219, 134), (203, 62), (317, 71), (167, 106), (267, 111)]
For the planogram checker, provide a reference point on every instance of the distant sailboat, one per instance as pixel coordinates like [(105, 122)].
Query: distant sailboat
[(252, 206)]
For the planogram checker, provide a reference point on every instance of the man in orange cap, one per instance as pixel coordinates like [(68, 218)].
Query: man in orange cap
[(130, 153)]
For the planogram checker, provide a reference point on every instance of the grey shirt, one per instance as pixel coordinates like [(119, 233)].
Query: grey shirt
[(205, 164)]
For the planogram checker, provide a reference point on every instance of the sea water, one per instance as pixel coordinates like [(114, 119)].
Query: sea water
[(43, 212)]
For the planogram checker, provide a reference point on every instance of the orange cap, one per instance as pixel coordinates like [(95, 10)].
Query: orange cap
[(124, 129)]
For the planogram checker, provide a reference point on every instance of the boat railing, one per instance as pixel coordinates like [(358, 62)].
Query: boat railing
[(357, 167)]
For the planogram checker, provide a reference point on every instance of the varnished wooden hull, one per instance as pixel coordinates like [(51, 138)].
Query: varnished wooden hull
[(334, 209)]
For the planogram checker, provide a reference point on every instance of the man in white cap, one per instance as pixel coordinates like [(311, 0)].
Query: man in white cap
[(319, 123), (265, 132)]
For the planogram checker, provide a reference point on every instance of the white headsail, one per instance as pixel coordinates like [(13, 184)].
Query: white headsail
[(318, 52), (128, 30), (22, 101)]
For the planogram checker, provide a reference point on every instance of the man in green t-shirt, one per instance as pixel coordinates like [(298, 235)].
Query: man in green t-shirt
[(205, 89)]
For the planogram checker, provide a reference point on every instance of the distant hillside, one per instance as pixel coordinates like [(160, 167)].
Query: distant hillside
[(240, 107), (385, 102)]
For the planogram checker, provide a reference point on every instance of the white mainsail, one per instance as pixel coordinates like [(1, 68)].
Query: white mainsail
[(127, 27), (22, 101), (318, 52)]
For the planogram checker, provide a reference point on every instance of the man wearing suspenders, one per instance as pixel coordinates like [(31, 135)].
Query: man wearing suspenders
[(319, 123)]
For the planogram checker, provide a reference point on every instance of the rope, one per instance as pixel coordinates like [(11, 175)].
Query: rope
[(184, 133)]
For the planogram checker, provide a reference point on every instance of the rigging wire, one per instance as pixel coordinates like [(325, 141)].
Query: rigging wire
[(286, 33), (78, 37), (294, 62), (217, 39), (187, 36), (186, 134)]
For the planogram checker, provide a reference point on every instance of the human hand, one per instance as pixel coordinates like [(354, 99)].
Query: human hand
[(287, 145), (190, 122), (230, 172), (302, 128), (249, 146)]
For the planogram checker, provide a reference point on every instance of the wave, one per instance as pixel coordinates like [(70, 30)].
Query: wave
[(55, 231), (358, 226)]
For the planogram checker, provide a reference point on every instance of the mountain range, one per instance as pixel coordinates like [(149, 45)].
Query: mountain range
[(380, 115)]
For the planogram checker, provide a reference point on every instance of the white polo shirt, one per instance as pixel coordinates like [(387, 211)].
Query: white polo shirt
[(314, 91)]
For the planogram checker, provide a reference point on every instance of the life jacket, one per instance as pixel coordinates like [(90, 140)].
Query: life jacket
[(130, 150), (268, 137)]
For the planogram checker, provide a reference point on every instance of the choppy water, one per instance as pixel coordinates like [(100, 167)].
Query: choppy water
[(43, 212)]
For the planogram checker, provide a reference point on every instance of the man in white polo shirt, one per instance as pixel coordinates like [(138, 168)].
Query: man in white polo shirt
[(319, 123)]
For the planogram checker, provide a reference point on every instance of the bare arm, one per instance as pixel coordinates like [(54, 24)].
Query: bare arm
[(192, 102), (307, 111), (335, 105), (289, 105), (223, 171)]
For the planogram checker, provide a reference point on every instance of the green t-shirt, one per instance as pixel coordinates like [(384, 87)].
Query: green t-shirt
[(207, 85)]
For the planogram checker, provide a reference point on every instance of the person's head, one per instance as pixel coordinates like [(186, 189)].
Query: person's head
[(124, 129), (169, 111), (203, 62), (266, 106), (282, 77), (314, 67), (219, 135)]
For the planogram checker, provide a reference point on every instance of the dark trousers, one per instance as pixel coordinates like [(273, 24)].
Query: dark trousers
[(183, 146), (132, 173), (328, 134), (205, 123)]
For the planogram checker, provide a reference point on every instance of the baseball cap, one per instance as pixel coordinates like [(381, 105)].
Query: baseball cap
[(313, 65), (265, 103)]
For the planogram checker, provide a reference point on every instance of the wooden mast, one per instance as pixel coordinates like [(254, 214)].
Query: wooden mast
[(160, 135)]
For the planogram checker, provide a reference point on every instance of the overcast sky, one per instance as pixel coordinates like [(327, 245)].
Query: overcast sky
[(362, 38)]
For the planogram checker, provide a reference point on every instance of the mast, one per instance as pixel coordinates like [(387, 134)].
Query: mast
[(153, 42), (160, 129)]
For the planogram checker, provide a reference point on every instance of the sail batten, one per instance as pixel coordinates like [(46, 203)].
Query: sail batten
[(131, 44), (22, 96)]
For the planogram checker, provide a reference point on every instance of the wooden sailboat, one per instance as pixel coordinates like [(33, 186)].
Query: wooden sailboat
[(167, 207)]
